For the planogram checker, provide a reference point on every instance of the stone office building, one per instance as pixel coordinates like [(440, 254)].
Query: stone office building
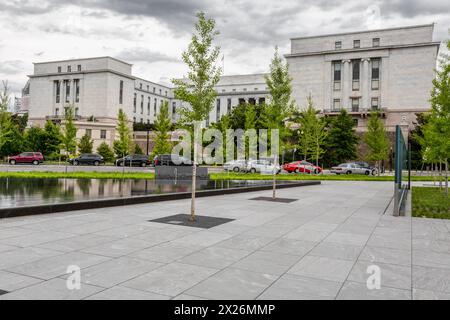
[(390, 70)]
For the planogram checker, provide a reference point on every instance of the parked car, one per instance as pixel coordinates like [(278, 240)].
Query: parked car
[(262, 166), (171, 160), (372, 169), (27, 157), (235, 165), (302, 166), (140, 160), (350, 168), (87, 158)]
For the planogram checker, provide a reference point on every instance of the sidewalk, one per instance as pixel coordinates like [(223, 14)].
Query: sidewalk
[(318, 247)]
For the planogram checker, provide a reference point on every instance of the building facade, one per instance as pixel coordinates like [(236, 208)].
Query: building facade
[(390, 70)]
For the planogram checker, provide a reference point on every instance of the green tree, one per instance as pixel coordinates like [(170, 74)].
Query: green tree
[(85, 145), (69, 132), (106, 152), (34, 139), (317, 133), (163, 126), (376, 140), (281, 106), (50, 140), (341, 141), (6, 126), (436, 132), (138, 149), (123, 145), (198, 88)]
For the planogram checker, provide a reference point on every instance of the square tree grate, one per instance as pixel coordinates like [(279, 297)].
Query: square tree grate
[(281, 200), (3, 292), (204, 222)]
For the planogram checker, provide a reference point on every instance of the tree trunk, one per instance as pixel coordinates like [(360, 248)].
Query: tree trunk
[(440, 175), (194, 178), (446, 177), (274, 181), (378, 167)]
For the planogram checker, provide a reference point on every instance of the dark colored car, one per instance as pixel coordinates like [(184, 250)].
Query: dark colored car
[(87, 158), (140, 160), (171, 160), (27, 157)]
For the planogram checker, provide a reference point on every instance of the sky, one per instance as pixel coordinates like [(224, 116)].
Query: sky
[(152, 34)]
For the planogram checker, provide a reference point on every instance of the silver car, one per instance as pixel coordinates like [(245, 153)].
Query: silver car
[(235, 166), (350, 168), (262, 166)]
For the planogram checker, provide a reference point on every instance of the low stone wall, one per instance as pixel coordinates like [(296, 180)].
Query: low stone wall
[(179, 172)]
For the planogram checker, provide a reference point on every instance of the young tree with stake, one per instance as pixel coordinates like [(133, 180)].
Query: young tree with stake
[(198, 88)]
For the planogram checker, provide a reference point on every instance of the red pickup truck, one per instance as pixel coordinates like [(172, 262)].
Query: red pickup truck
[(27, 157)]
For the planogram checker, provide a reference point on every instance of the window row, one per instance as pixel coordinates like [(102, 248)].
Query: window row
[(357, 44), (141, 86), (69, 68), (355, 104), (66, 90), (356, 74), (88, 132)]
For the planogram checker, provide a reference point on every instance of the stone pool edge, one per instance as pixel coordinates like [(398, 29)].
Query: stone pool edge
[(115, 202)]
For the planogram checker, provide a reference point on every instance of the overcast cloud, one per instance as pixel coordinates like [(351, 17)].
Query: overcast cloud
[(152, 34)]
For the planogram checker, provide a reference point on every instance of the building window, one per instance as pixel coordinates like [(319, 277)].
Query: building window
[(166, 93), (154, 89), (67, 91), (58, 91), (374, 104), (148, 105), (228, 105), (355, 104), (174, 110), (160, 92), (89, 132), (207, 121), (142, 104), (217, 110), (356, 44), (140, 86), (121, 92), (77, 112), (338, 45), (148, 88), (142, 120), (79, 67), (375, 74), (355, 122), (59, 69), (337, 75), (336, 104), (375, 42), (355, 74), (134, 103), (154, 106), (69, 68), (245, 89), (102, 134), (134, 119), (77, 90), (57, 112), (261, 101)]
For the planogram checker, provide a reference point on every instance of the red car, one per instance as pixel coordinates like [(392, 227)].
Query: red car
[(27, 157), (301, 166)]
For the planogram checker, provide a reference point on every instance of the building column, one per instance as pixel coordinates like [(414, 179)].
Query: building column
[(346, 85), (365, 87)]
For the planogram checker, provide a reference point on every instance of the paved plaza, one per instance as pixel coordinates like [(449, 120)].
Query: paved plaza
[(318, 247)]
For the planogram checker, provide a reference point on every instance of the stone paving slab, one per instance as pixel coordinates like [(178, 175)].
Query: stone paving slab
[(319, 247)]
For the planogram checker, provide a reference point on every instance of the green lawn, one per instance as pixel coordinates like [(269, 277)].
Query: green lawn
[(430, 203), (351, 177), (213, 176), (79, 175)]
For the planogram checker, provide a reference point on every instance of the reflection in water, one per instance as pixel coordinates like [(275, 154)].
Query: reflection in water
[(15, 192)]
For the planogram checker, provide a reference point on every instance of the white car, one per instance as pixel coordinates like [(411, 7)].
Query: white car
[(351, 168), (235, 166), (262, 166)]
